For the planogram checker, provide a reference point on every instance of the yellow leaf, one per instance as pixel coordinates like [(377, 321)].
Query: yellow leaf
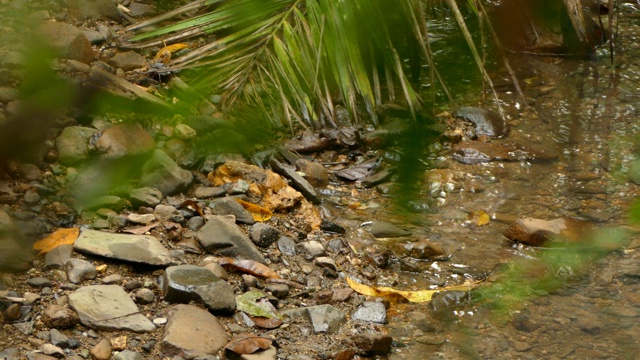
[(164, 55), (57, 238), (416, 296), (258, 212), (480, 216)]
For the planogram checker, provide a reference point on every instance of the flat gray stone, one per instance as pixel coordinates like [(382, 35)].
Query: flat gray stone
[(181, 282), (145, 196), (192, 332), (326, 318), (218, 297), (108, 307), (143, 249), (72, 144), (287, 245), (128, 355), (371, 311), (209, 192), (162, 173), (229, 206), (222, 236), (79, 270)]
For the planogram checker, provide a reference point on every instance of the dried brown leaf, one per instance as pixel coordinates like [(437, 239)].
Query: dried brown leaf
[(245, 343), (248, 266), (258, 212), (57, 238)]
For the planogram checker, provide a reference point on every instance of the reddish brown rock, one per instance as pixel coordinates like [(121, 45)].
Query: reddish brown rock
[(537, 232), (56, 316)]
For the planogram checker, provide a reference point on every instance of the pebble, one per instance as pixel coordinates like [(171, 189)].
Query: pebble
[(263, 235), (217, 270), (58, 338), (79, 270), (112, 279), (144, 296), (372, 344), (128, 355), (102, 350), (52, 350), (164, 212), (280, 291), (311, 249), (56, 316), (180, 282), (209, 192), (143, 219), (39, 282), (286, 245), (145, 196), (184, 132), (326, 318), (229, 206)]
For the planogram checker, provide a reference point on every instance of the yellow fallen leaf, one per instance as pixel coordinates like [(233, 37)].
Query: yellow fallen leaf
[(416, 296), (57, 238), (164, 55), (480, 216), (258, 212)]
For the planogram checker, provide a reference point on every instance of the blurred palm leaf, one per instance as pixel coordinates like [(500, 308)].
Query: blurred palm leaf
[(296, 57)]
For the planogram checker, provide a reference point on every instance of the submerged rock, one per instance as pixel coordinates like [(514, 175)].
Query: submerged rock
[(487, 122), (537, 232)]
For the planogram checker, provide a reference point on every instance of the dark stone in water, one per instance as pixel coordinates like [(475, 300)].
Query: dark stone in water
[(487, 122), (474, 152)]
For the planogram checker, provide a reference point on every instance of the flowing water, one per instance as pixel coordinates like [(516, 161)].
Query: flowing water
[(537, 304)]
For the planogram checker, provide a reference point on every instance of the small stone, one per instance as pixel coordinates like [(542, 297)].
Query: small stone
[(39, 282), (102, 350), (315, 173), (56, 316), (229, 206), (127, 61), (218, 297), (128, 355), (326, 318), (195, 223), (184, 132), (79, 270), (100, 224), (217, 270), (209, 192), (112, 279), (371, 311), (58, 338), (311, 249), (52, 350), (383, 229), (325, 262), (119, 343), (278, 290), (164, 212), (181, 282), (249, 281), (521, 346), (286, 245), (58, 257), (145, 296), (160, 321), (144, 219), (373, 344), (263, 235)]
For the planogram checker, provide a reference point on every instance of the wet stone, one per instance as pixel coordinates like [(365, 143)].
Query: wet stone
[(487, 122), (371, 311), (523, 323), (229, 206), (108, 307), (372, 344), (326, 318), (383, 229), (286, 245), (134, 248), (192, 332), (222, 236), (315, 173), (297, 182), (180, 282), (263, 235), (332, 227), (79, 270), (145, 196)]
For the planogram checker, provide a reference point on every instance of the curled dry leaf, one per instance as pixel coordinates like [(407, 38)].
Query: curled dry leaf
[(416, 296), (480, 217), (266, 323), (192, 204), (245, 343), (57, 238), (164, 55), (258, 212), (249, 267)]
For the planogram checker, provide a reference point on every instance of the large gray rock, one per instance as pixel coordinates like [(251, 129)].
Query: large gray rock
[(72, 144), (128, 60), (143, 249), (222, 236), (326, 318), (229, 206), (68, 41), (162, 173), (192, 332), (124, 140), (180, 282), (108, 307)]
